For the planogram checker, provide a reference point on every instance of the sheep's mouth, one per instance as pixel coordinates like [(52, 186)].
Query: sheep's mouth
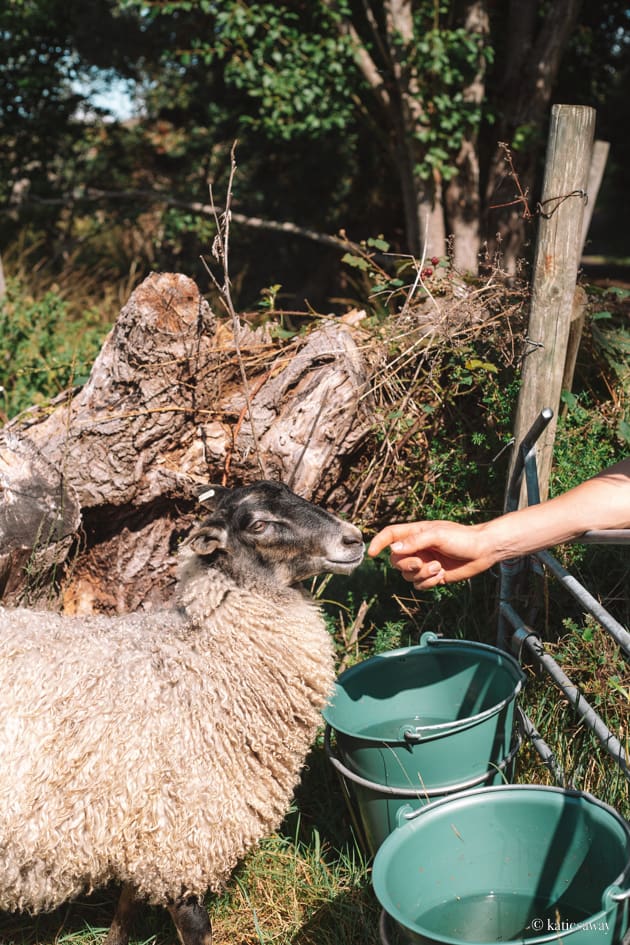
[(344, 565)]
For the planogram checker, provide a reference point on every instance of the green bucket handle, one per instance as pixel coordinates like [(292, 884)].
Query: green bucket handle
[(419, 792), (614, 897), (415, 735)]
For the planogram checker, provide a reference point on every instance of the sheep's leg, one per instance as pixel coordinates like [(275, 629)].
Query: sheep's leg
[(191, 921), (119, 929)]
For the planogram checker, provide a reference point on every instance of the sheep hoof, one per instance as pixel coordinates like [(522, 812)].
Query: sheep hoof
[(191, 921)]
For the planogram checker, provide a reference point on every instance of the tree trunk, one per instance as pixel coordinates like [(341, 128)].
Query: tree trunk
[(462, 210), (422, 200), (462, 196), (531, 62), (111, 471)]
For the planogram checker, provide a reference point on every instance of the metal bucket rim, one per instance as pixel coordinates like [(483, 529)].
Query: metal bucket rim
[(441, 728), (538, 789), (419, 793), (621, 882)]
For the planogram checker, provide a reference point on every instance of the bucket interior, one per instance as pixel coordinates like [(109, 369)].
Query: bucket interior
[(419, 687), (426, 717), (502, 864)]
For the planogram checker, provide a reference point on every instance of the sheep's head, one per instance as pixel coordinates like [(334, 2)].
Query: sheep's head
[(265, 533)]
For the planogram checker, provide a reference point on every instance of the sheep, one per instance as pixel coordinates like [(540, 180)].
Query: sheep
[(154, 749)]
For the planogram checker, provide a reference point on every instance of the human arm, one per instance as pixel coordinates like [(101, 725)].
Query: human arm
[(431, 553)]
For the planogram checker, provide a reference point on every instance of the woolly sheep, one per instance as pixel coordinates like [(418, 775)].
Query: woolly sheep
[(155, 749)]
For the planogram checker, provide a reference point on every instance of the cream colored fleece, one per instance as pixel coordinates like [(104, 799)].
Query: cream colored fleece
[(153, 749)]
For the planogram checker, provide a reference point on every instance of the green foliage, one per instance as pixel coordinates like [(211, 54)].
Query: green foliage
[(43, 351), (611, 340), (48, 51), (292, 67), (296, 69), (445, 60), (586, 442)]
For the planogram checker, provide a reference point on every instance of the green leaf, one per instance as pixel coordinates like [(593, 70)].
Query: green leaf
[(357, 262), (474, 364), (378, 243)]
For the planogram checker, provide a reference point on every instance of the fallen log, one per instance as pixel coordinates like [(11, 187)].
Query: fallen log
[(98, 487)]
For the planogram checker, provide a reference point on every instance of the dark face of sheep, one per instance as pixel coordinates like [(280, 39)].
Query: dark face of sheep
[(264, 532)]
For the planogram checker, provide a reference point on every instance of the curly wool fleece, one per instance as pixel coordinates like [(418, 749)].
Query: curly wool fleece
[(153, 749)]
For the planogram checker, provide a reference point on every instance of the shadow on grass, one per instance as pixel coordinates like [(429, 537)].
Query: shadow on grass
[(350, 919), (85, 921)]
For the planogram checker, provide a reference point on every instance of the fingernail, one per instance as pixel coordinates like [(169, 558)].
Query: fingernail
[(434, 567), (397, 546)]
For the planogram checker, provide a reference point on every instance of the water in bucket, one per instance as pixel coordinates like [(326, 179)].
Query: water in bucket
[(505, 916), (512, 864)]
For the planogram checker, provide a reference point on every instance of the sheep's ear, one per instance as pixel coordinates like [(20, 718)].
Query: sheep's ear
[(208, 539), (209, 496)]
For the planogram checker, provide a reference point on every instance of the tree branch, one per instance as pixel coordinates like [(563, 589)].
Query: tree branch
[(93, 195)]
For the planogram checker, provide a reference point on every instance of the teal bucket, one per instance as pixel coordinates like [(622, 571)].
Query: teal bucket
[(417, 724), (511, 864)]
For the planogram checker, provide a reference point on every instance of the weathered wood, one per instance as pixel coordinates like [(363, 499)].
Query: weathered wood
[(556, 262), (595, 174), (578, 315), (163, 411), (39, 514)]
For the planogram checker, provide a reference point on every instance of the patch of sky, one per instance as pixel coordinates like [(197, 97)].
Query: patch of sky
[(113, 97)]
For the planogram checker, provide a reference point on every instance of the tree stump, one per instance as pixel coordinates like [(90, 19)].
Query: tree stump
[(101, 484)]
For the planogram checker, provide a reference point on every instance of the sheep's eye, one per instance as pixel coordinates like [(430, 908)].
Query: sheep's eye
[(258, 526)]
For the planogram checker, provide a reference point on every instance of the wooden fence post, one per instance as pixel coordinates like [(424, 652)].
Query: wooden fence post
[(580, 299), (556, 262), (595, 175)]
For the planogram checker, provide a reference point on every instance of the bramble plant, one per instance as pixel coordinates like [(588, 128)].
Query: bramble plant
[(43, 351)]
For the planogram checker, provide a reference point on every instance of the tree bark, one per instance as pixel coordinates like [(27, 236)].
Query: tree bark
[(424, 212), (462, 194), (103, 484), (532, 62)]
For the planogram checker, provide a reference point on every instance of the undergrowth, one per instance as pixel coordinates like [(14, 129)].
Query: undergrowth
[(53, 321)]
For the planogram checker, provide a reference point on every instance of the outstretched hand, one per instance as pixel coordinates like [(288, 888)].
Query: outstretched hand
[(432, 553)]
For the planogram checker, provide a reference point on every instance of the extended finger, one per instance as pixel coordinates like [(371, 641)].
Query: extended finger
[(403, 537), (385, 537)]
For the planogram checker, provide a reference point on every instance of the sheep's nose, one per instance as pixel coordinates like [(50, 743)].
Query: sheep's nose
[(353, 536)]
